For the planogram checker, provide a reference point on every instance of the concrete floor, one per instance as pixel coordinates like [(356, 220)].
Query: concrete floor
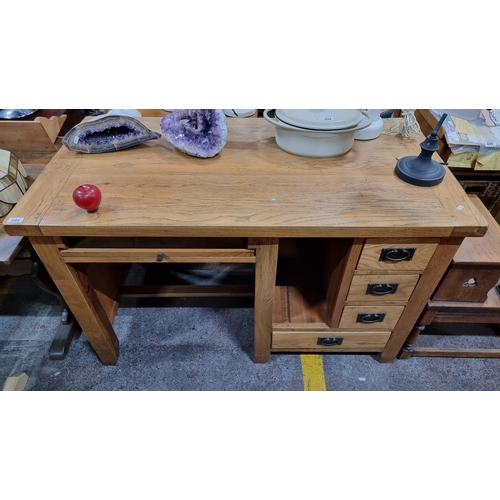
[(181, 345)]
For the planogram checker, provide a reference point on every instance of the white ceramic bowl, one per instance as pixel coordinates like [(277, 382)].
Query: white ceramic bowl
[(313, 142)]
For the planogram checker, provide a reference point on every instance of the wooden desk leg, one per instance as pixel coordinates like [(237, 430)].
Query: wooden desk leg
[(81, 298), (266, 253)]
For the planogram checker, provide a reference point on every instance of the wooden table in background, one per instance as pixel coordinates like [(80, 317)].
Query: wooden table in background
[(314, 228)]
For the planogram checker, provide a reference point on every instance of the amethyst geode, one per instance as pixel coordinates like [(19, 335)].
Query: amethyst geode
[(196, 132), (107, 133)]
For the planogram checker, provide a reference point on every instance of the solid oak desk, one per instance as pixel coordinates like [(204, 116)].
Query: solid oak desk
[(314, 228)]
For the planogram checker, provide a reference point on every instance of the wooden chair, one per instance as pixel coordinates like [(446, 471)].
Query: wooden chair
[(466, 294)]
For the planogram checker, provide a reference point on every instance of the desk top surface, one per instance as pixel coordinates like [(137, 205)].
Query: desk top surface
[(251, 188)]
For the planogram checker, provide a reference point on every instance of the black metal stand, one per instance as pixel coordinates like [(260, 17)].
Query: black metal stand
[(422, 170)]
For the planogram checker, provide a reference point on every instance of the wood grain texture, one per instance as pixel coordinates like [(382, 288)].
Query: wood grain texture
[(107, 280), (343, 258), (82, 300), (168, 255), (265, 283), (294, 305), (484, 250), (40, 134), (359, 285), (350, 316), (250, 189), (352, 341), (370, 256)]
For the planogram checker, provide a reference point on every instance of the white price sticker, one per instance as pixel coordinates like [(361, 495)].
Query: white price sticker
[(15, 220)]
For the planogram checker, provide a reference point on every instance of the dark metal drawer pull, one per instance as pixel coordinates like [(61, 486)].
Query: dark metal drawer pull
[(397, 254), (330, 341), (370, 317), (382, 288)]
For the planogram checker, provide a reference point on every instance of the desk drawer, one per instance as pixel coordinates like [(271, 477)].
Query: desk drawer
[(378, 288), (150, 250), (342, 341), (396, 255), (374, 317), (151, 255), (467, 283)]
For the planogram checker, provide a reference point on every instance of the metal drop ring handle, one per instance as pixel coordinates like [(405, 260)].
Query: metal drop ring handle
[(397, 254), (381, 289), (371, 318), (398, 251), (330, 341)]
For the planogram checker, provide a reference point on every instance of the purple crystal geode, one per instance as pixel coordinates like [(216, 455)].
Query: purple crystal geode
[(196, 132), (107, 133)]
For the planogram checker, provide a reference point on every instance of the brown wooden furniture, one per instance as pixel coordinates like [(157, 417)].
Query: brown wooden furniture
[(466, 293), (19, 136), (36, 136), (316, 230)]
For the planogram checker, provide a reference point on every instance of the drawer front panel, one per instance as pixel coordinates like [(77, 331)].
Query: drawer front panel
[(467, 283), (378, 288), (350, 341), (140, 255), (396, 255), (370, 317)]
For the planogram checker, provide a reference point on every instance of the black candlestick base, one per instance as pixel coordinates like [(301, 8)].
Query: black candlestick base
[(420, 171)]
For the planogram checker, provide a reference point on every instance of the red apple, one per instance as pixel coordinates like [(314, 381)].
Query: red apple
[(88, 197)]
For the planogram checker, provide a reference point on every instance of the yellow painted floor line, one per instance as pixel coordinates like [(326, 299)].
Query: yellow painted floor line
[(313, 373)]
